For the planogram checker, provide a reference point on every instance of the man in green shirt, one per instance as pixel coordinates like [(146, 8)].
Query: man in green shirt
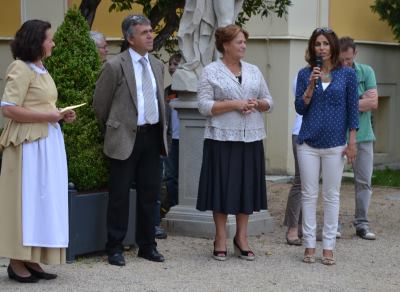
[(363, 164)]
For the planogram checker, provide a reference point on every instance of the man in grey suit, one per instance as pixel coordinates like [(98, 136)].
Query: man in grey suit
[(129, 103)]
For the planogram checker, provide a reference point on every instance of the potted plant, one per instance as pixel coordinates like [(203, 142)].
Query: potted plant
[(74, 66)]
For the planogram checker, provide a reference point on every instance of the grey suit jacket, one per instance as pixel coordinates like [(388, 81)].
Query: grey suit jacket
[(115, 104)]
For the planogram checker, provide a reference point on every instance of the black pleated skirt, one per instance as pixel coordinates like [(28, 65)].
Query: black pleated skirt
[(232, 178)]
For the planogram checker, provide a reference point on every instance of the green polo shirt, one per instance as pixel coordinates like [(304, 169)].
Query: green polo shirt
[(366, 80)]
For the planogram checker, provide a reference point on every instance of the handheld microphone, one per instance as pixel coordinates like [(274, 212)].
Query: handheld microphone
[(318, 63)]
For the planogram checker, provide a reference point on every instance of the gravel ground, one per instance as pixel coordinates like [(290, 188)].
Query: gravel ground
[(361, 265)]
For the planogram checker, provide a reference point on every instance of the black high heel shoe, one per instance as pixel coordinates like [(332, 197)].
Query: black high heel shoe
[(243, 254), (13, 276), (41, 275), (219, 255)]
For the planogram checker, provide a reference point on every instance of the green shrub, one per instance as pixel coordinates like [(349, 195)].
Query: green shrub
[(387, 177), (74, 66)]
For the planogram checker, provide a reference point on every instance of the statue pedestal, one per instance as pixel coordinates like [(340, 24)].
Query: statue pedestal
[(184, 219)]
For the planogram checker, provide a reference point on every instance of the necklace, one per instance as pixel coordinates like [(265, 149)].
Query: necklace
[(236, 69), (326, 76)]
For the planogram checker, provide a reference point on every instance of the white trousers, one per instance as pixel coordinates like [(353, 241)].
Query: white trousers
[(329, 162)]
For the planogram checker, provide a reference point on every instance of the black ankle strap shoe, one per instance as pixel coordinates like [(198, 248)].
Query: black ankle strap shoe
[(243, 254)]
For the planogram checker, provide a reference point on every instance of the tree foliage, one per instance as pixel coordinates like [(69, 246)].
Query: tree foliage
[(389, 11), (166, 14), (263, 7), (74, 66)]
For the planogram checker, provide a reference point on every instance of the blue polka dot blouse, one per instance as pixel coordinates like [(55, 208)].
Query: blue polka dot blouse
[(331, 112)]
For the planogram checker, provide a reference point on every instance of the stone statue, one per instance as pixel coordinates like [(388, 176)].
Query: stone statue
[(196, 38)]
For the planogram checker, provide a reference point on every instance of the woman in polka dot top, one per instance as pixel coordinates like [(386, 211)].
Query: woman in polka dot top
[(326, 96)]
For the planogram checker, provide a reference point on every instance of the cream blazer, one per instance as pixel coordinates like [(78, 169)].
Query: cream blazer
[(26, 88), (218, 83)]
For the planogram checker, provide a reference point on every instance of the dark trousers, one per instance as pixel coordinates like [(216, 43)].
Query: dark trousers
[(157, 215), (142, 167), (172, 172)]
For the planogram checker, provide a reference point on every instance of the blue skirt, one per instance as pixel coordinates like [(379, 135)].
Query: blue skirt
[(232, 178)]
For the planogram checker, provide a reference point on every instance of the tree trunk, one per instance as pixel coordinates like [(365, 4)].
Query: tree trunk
[(88, 9), (171, 19)]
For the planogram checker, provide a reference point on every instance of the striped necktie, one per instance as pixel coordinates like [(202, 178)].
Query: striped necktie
[(150, 110)]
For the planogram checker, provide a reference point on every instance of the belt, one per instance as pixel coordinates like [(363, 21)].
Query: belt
[(146, 127)]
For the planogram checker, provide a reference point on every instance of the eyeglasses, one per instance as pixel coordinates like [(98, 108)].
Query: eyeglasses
[(323, 29)]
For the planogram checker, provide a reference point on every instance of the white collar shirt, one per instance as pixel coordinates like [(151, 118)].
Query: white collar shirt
[(137, 69)]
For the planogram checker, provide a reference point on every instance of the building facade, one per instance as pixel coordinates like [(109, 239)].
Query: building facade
[(277, 46)]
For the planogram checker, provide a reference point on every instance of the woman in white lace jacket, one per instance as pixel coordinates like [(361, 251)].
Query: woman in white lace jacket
[(233, 95)]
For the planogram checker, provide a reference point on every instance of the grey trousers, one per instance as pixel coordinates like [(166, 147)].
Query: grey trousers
[(362, 168), (293, 207)]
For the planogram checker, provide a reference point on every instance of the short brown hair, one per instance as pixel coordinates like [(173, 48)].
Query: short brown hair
[(28, 41), (226, 34), (333, 43), (347, 43)]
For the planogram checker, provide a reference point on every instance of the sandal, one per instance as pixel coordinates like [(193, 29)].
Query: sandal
[(243, 254), (296, 241), (328, 261), (309, 259), (219, 255)]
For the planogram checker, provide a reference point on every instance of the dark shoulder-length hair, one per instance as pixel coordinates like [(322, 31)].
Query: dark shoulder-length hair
[(28, 42), (226, 34), (333, 43)]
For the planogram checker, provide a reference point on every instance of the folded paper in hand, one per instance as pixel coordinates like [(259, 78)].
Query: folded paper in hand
[(71, 107)]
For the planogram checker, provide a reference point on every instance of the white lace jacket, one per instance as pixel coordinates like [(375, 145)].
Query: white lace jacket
[(218, 83)]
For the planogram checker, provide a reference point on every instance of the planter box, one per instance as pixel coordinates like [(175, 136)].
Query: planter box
[(87, 222)]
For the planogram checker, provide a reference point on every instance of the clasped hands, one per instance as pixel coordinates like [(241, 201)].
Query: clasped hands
[(248, 106)]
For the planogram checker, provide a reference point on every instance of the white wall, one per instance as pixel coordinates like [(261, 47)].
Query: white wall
[(50, 10)]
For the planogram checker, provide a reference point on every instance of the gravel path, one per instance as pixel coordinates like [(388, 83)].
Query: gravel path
[(361, 265)]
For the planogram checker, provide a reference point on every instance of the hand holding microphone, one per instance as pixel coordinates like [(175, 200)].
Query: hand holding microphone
[(316, 73)]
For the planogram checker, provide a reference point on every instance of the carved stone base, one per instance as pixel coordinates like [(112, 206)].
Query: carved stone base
[(187, 221), (184, 80)]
